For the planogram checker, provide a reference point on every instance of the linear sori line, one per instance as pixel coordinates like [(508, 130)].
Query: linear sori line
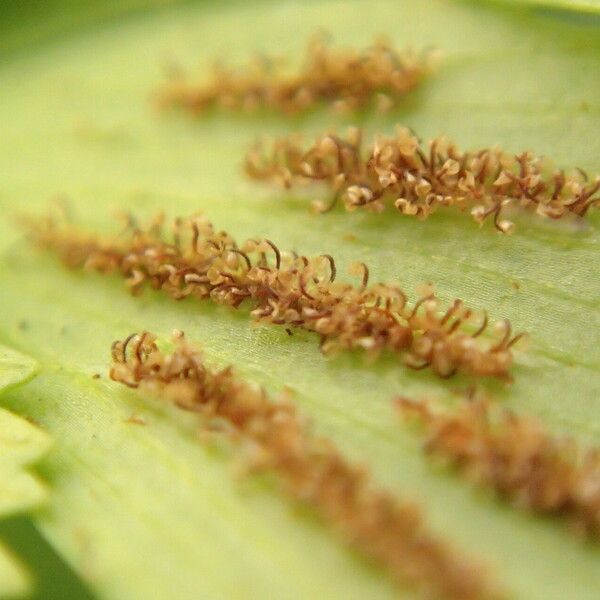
[(344, 78), (308, 469), (286, 289), (418, 179), (516, 457)]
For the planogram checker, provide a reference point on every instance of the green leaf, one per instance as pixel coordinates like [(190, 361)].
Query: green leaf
[(15, 578), (148, 511), (21, 444), (583, 6), (15, 367)]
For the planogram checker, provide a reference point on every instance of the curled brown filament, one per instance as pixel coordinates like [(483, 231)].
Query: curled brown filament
[(451, 311), (418, 305), (331, 266), (277, 253), (365, 276), (290, 292), (309, 469), (482, 327), (243, 255)]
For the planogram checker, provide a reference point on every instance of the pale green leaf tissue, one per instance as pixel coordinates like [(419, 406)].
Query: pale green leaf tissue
[(146, 510), (21, 444)]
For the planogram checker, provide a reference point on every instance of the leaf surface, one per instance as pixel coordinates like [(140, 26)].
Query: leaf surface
[(21, 444), (148, 511)]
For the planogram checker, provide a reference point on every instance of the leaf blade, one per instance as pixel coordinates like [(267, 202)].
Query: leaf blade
[(507, 80), (21, 444)]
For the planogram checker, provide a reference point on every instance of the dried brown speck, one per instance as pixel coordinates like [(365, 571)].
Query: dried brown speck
[(32, 420), (135, 420)]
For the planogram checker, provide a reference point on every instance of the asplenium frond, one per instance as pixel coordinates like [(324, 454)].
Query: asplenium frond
[(139, 507)]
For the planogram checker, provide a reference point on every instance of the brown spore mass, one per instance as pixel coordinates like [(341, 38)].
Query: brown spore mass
[(290, 290), (418, 179), (309, 469)]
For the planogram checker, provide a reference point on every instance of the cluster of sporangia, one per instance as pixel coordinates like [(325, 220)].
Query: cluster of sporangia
[(291, 290), (515, 456), (345, 78), (419, 179), (310, 469)]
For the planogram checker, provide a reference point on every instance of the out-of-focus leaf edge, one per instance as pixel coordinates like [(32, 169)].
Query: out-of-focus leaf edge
[(573, 6), (21, 444)]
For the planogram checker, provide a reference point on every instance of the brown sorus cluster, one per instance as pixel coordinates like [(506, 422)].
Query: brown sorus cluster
[(348, 79), (309, 469), (517, 458), (418, 179), (290, 290)]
